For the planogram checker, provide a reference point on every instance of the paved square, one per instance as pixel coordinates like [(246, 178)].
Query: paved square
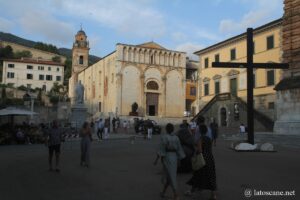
[(121, 170)]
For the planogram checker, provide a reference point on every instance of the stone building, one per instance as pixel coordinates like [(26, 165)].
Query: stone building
[(288, 89), (32, 73), (216, 81), (148, 74)]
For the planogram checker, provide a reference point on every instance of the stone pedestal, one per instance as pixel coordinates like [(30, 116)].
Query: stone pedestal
[(78, 115), (288, 110)]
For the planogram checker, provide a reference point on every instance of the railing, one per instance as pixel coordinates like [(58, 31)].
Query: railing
[(265, 120), (218, 97)]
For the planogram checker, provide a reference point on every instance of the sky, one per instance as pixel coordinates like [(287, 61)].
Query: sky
[(182, 25)]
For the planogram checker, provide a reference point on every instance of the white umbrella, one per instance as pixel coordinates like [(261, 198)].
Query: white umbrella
[(12, 111)]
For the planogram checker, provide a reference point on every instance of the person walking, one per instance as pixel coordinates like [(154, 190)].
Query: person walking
[(204, 178), (214, 130), (54, 137), (201, 121), (86, 139), (100, 129), (149, 129), (170, 151), (106, 128), (114, 124)]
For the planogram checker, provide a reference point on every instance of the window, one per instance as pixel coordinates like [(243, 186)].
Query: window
[(49, 68), (232, 54), (29, 76), (10, 75), (206, 63), (29, 67), (58, 78), (217, 58), (270, 42), (193, 91), (57, 69), (206, 89), (40, 67), (270, 77), (271, 105), (11, 65), (152, 85), (41, 77), (217, 87), (49, 77), (81, 60)]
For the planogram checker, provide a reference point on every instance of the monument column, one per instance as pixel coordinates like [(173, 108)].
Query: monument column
[(288, 89)]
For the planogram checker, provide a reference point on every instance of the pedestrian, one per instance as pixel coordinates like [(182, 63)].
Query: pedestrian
[(201, 121), (242, 129), (114, 124), (106, 128), (100, 129), (193, 126), (92, 125), (214, 130), (54, 137), (170, 151), (125, 126), (187, 142), (205, 177), (86, 139), (149, 129)]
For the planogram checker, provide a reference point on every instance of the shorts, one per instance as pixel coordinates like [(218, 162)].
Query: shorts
[(55, 148)]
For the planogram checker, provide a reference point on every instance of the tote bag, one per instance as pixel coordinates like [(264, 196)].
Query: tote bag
[(198, 162)]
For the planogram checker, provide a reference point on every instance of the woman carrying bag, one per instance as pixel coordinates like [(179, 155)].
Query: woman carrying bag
[(205, 177)]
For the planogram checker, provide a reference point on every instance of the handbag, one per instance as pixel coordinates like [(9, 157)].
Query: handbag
[(198, 161)]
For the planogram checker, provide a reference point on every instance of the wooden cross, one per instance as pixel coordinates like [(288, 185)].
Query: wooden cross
[(250, 65)]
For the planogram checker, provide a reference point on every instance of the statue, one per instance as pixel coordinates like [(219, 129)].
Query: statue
[(134, 108), (79, 93)]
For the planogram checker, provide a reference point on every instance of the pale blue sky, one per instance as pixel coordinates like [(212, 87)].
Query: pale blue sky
[(185, 25)]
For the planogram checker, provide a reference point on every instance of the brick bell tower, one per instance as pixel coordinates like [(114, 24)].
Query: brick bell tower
[(80, 52), (288, 89), (80, 59)]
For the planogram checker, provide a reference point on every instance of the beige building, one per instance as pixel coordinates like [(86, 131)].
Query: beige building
[(148, 74), (32, 73), (267, 48)]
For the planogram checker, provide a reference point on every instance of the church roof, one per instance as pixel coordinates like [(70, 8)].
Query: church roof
[(81, 32), (152, 45)]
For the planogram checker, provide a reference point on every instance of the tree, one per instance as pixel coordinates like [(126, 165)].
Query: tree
[(23, 54), (3, 94), (68, 69), (56, 59), (6, 52)]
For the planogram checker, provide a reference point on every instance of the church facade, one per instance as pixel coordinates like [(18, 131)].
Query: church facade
[(146, 74)]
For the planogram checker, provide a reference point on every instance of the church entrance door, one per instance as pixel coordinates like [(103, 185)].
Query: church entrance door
[(152, 104)]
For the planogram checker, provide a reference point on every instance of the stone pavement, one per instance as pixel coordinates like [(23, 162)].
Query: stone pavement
[(121, 170)]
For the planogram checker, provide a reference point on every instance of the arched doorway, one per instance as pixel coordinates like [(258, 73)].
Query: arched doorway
[(152, 98), (223, 116)]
